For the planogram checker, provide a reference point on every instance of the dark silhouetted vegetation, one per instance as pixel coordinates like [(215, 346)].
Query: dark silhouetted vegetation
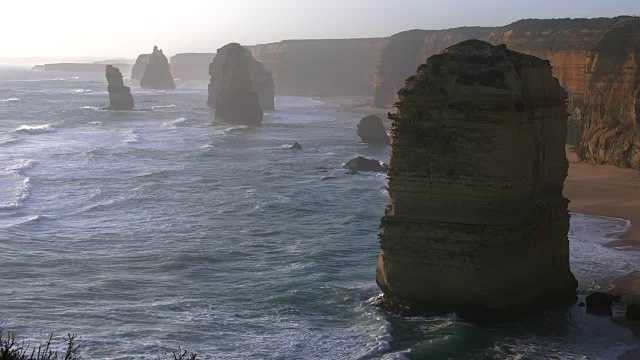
[(12, 349)]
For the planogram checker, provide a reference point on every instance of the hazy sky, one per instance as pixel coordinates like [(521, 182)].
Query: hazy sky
[(118, 28)]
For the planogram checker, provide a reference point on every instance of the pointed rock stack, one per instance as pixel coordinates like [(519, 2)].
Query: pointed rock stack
[(477, 222), (120, 97), (241, 88), (157, 73)]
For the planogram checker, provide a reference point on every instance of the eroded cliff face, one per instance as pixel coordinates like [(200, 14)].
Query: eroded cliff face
[(571, 45), (321, 67), (477, 220), (231, 91), (120, 97), (191, 66), (157, 74), (260, 79), (406, 50), (611, 111)]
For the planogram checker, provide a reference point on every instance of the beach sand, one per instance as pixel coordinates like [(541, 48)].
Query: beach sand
[(606, 191)]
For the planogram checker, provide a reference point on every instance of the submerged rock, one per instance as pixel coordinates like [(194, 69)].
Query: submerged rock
[(477, 222), (157, 74), (600, 303), (120, 97), (633, 312), (371, 130), (296, 146), (361, 163), (236, 80)]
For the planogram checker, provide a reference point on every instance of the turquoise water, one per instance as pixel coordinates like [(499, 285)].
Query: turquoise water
[(144, 231)]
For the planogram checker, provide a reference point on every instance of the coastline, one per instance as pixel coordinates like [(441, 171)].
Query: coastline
[(605, 190)]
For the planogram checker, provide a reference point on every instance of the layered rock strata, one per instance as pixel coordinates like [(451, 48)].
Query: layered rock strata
[(610, 124), (120, 97), (477, 222), (157, 73), (236, 79), (371, 131)]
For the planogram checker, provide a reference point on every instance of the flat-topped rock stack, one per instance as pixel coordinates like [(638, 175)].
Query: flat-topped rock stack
[(477, 222), (240, 88)]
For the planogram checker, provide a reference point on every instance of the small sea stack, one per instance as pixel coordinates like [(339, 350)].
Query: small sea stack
[(477, 222), (371, 131), (241, 88), (157, 73), (120, 97)]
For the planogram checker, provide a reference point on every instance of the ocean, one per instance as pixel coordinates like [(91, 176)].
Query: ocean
[(155, 229)]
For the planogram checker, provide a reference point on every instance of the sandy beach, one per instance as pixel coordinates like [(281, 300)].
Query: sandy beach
[(604, 190)]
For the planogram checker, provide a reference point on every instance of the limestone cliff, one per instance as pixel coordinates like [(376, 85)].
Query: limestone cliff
[(231, 91), (139, 66), (477, 220), (571, 45), (611, 112), (321, 67), (406, 50), (157, 74), (595, 60), (191, 66), (120, 97), (261, 80)]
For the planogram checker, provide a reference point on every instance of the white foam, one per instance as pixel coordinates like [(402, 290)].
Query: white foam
[(37, 129), (94, 108), (174, 123), (132, 137), (163, 106), (14, 186), (13, 99), (230, 129), (81, 91)]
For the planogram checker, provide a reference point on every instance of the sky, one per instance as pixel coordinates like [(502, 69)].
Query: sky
[(126, 28)]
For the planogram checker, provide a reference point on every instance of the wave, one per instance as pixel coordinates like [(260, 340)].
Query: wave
[(15, 184), (95, 108), (231, 129), (13, 99), (81, 91), (174, 123), (163, 106), (9, 141), (38, 129), (132, 137)]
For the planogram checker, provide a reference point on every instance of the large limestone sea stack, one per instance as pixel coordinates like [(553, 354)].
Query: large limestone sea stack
[(157, 74), (241, 88), (120, 97), (477, 219)]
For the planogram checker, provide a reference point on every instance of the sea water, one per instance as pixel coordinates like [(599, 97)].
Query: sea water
[(155, 229)]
